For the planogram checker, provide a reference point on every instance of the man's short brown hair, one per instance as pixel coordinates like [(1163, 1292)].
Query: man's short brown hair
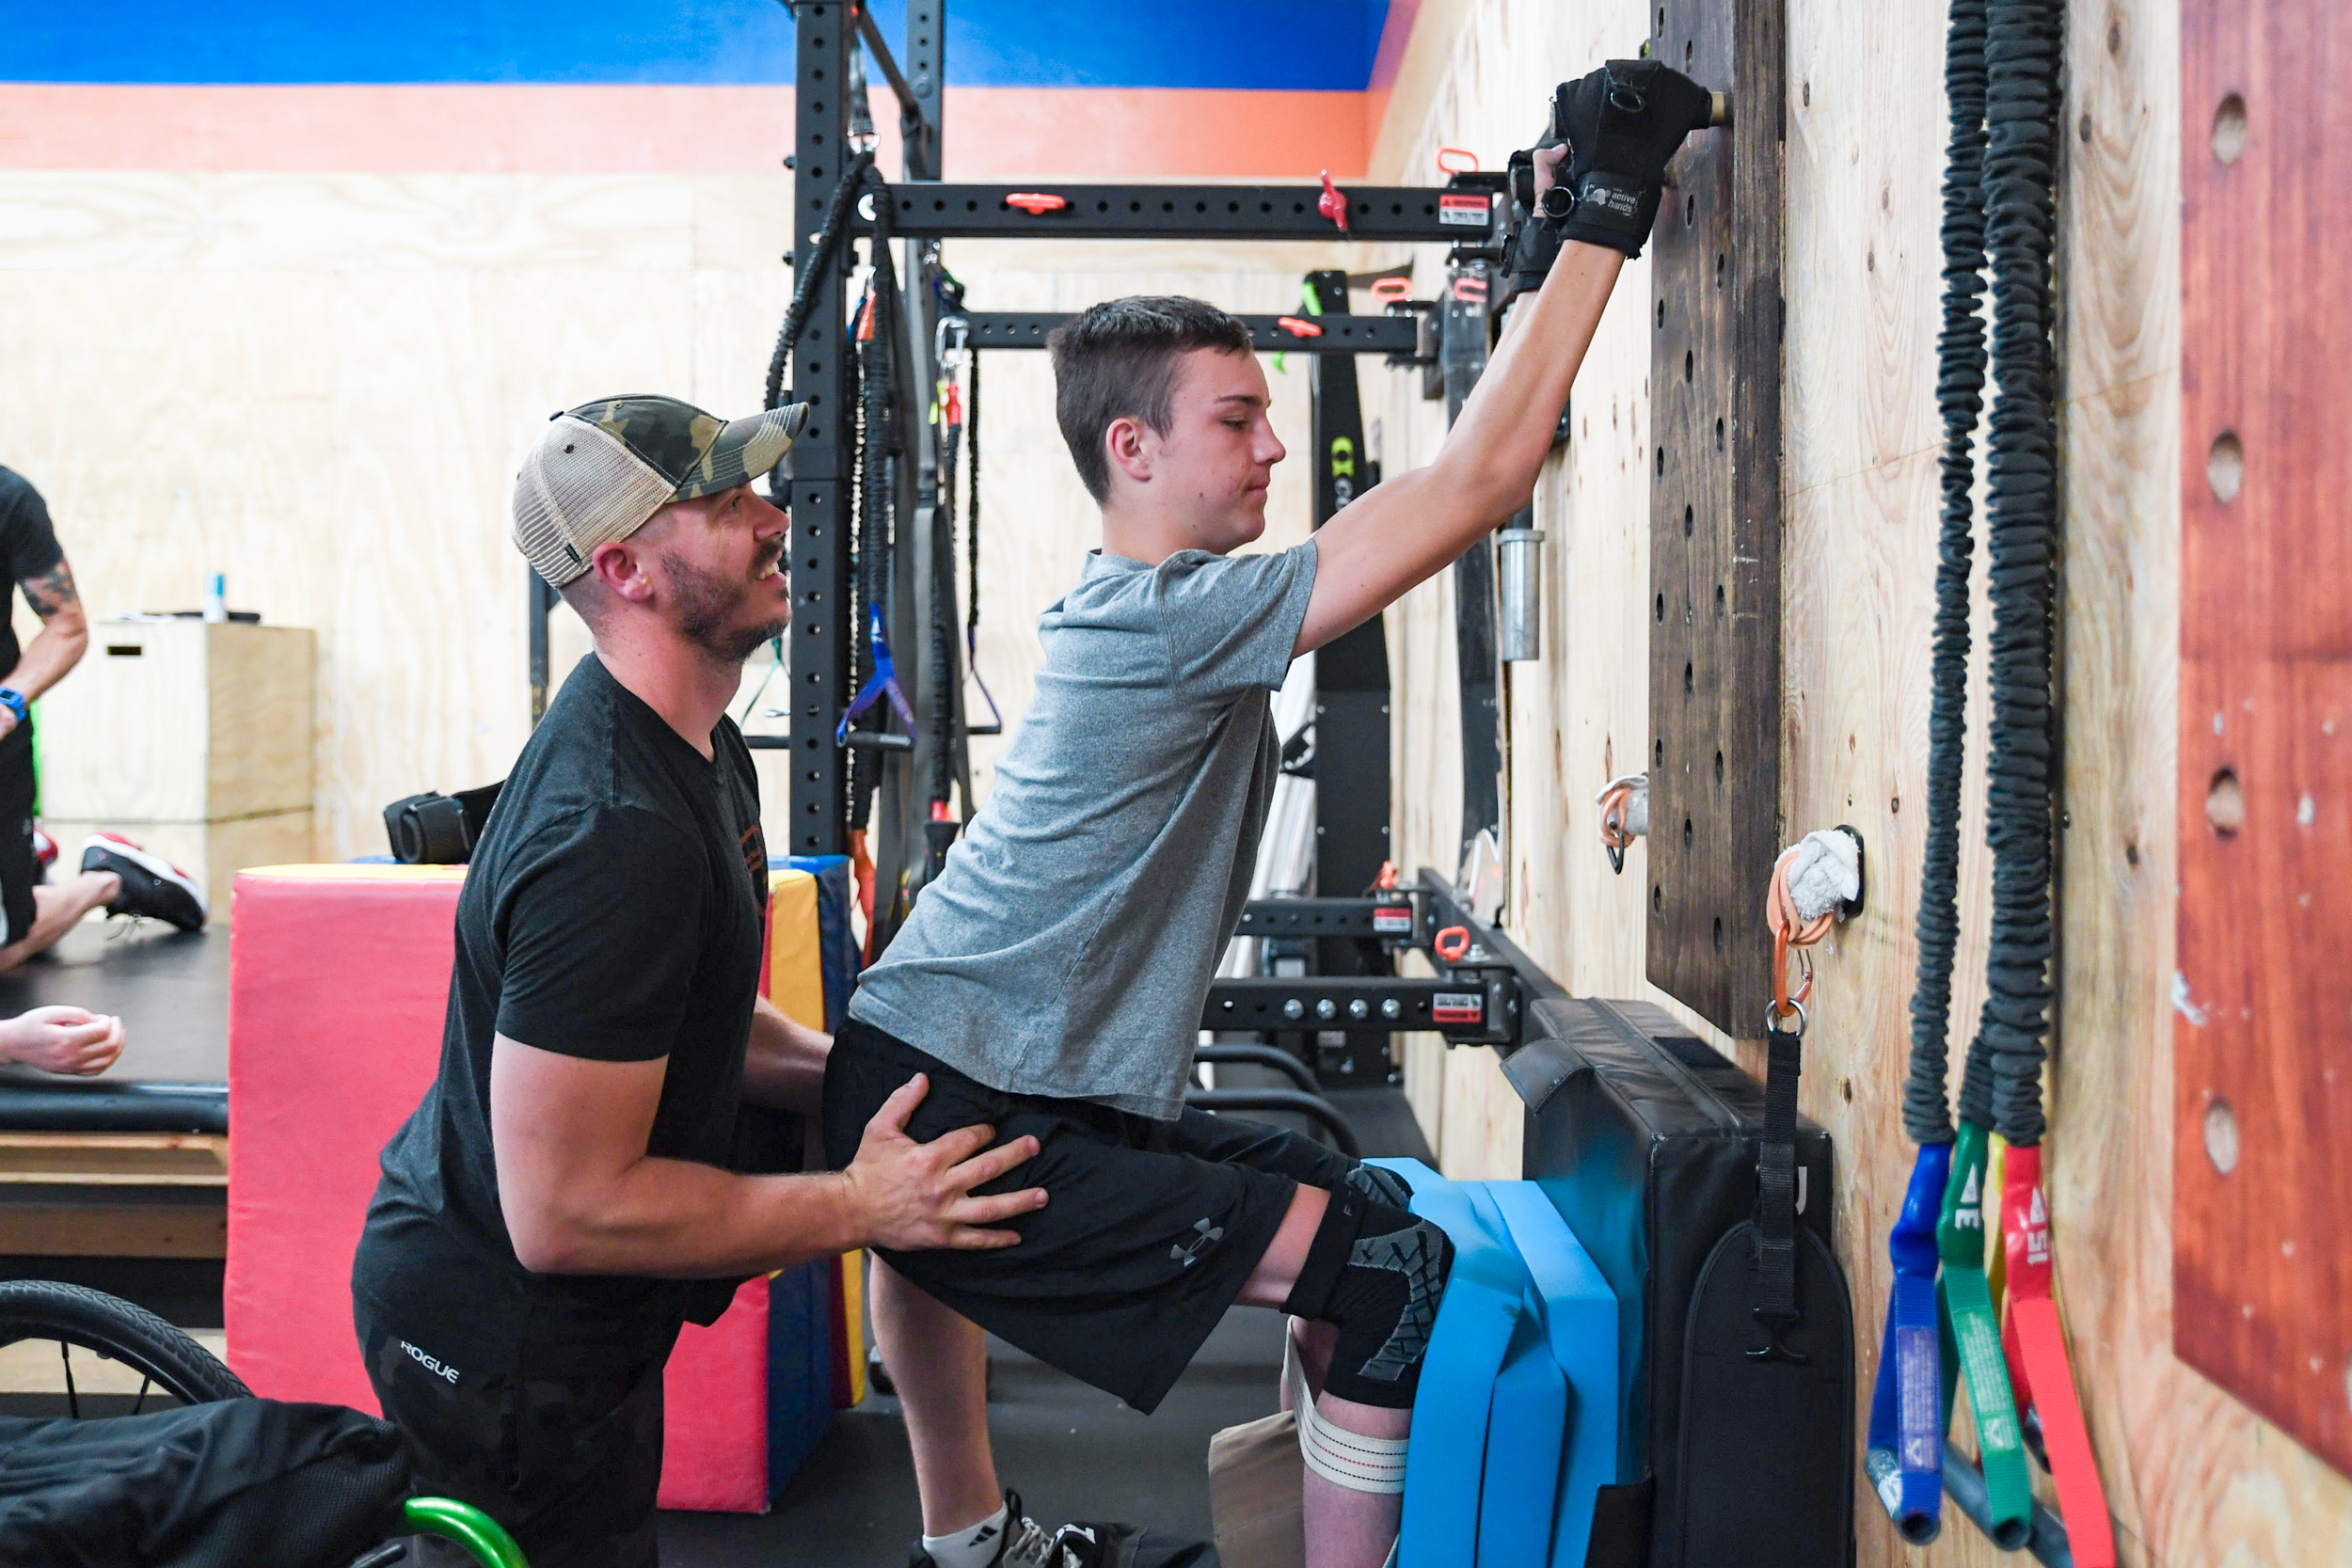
[(1117, 360)]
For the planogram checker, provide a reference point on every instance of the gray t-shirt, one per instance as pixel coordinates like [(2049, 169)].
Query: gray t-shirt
[(1068, 946)]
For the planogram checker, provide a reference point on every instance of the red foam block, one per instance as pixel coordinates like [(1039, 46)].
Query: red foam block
[(338, 986), (338, 991)]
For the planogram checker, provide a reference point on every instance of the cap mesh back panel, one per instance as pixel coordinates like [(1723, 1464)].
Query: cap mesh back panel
[(581, 488)]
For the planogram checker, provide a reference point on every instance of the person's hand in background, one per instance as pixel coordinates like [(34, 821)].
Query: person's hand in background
[(62, 1039)]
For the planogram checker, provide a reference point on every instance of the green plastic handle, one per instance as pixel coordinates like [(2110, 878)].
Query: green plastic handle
[(469, 1527)]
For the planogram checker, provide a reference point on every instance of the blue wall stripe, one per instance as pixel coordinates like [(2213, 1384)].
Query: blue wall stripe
[(1267, 44)]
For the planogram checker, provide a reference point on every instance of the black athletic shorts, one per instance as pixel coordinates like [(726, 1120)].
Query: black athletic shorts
[(19, 871), (570, 1466), (1150, 1230)]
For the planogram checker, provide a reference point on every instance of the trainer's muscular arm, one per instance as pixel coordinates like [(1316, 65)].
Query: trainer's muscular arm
[(580, 1195), (784, 1066), (1406, 529), (63, 638)]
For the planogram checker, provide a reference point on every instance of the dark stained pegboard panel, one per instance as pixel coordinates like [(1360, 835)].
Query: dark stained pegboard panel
[(2261, 1031), (1714, 663)]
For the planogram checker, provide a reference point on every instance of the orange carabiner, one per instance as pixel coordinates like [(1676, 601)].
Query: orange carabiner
[(1453, 943), (1462, 161)]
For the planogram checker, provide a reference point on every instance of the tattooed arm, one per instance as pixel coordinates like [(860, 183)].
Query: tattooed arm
[(64, 635)]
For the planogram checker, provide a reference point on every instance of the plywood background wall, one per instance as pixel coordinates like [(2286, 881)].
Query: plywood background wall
[(2194, 1478), (320, 384)]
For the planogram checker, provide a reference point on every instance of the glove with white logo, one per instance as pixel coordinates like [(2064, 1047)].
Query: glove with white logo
[(1621, 123)]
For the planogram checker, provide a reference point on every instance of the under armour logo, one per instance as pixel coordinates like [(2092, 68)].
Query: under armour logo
[(1209, 1236)]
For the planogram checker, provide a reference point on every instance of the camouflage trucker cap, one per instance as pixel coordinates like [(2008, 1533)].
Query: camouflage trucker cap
[(598, 472)]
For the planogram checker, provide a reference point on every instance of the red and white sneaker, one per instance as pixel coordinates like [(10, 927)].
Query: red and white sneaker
[(44, 854), (151, 885)]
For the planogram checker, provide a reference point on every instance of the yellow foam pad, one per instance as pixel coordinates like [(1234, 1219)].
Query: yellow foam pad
[(796, 970)]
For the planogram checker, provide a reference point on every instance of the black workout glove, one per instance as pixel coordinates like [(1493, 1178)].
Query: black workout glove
[(1621, 123)]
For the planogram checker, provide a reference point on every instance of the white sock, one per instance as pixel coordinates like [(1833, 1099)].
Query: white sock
[(973, 1547)]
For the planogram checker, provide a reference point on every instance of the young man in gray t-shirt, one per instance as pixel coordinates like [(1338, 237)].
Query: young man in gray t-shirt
[(1050, 981)]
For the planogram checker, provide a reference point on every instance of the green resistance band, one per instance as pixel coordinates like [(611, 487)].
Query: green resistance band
[(469, 1527), (1977, 1341)]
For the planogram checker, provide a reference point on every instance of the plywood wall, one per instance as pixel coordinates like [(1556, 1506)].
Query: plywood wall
[(320, 384), (2194, 1478)]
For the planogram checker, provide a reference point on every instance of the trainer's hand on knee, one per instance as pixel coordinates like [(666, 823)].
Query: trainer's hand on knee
[(62, 1039), (915, 1196)]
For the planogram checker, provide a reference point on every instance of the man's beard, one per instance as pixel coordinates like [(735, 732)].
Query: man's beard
[(705, 605)]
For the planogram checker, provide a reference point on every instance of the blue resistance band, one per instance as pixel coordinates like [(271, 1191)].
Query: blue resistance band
[(884, 683), (1905, 1457)]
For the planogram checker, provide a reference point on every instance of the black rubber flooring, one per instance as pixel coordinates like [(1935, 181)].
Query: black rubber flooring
[(171, 989)]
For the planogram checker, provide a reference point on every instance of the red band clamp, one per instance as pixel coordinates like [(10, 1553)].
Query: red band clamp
[(1331, 204)]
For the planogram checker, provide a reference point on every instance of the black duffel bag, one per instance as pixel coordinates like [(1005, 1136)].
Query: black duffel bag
[(235, 1483), (1736, 1435)]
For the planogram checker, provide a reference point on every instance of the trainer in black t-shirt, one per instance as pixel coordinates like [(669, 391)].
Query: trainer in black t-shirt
[(28, 547), (612, 911)]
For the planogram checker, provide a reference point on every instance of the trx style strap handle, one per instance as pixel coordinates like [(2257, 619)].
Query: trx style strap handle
[(1775, 1297), (1976, 1339), (1905, 1457), (2040, 1347), (884, 683)]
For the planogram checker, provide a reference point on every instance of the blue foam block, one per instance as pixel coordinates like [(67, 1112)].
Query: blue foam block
[(1446, 1461), (799, 1367), (1580, 1320), (1526, 1431)]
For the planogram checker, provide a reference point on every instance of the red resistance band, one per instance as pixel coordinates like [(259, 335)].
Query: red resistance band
[(2036, 1346)]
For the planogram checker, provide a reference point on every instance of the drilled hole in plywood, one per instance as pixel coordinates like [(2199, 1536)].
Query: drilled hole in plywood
[(2225, 803), (1662, 462), (1689, 53), (1662, 315), (2225, 467), (1656, 900), (1657, 753), (1691, 211), (1689, 684), (2228, 128), (2221, 1142), (1658, 612), (1690, 522), (1719, 435), (1718, 770), (1690, 365), (1719, 933), (1686, 832), (1720, 606)]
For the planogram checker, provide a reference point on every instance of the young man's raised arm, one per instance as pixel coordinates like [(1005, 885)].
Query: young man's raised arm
[(1623, 122), (1406, 529)]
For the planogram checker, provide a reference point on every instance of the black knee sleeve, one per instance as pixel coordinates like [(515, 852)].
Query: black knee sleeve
[(1377, 1273)]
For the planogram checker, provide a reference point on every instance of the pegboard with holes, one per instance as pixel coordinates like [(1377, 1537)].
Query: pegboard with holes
[(1715, 367)]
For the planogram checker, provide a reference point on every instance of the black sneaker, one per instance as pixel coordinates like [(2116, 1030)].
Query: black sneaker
[(151, 885), (1024, 1543)]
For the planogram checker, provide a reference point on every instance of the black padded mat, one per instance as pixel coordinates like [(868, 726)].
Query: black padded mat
[(169, 989)]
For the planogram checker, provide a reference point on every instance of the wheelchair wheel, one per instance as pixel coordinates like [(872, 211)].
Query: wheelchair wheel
[(105, 1328)]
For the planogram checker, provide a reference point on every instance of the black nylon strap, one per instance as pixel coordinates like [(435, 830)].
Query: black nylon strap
[(1776, 1193)]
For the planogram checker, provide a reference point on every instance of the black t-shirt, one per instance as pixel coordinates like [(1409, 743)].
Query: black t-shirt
[(612, 911), (28, 547)]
